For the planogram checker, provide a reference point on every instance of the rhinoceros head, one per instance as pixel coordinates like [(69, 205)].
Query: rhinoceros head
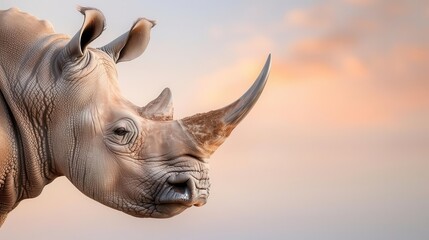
[(134, 159)]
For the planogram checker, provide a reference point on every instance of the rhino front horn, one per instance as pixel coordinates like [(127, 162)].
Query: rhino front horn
[(210, 129)]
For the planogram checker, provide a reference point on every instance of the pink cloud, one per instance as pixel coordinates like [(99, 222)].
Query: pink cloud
[(318, 16), (366, 68), (361, 2)]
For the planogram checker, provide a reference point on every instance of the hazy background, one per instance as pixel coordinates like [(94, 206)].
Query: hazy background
[(336, 148)]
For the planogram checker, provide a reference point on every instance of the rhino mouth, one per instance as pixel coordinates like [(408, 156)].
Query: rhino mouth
[(181, 191)]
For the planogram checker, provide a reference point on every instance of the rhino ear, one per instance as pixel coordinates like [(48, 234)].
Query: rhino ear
[(132, 43), (92, 27)]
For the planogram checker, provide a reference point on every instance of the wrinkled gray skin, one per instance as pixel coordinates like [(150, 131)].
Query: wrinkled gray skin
[(62, 114)]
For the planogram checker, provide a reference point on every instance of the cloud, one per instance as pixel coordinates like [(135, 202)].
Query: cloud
[(353, 63), (253, 44), (319, 16), (361, 2)]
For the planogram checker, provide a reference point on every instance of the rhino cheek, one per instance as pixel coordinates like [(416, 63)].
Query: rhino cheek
[(92, 175), (118, 182)]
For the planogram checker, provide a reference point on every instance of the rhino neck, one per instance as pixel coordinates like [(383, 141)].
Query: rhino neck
[(21, 174), (9, 161), (28, 90)]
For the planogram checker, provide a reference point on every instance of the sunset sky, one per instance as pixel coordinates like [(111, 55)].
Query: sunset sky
[(337, 147)]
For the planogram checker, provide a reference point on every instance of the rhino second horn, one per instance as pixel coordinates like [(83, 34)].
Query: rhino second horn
[(161, 108), (210, 129)]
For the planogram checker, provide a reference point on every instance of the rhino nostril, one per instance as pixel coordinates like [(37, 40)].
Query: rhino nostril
[(181, 184), (181, 187)]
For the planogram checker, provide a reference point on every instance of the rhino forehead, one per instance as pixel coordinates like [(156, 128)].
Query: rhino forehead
[(93, 65), (93, 79)]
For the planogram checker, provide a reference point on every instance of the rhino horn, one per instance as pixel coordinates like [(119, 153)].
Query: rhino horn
[(209, 130), (161, 108), (132, 43)]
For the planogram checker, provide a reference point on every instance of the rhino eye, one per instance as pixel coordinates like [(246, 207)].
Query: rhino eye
[(120, 131)]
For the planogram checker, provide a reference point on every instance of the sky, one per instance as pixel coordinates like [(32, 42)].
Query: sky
[(335, 148)]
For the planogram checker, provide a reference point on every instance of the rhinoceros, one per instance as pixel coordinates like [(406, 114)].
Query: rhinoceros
[(62, 114)]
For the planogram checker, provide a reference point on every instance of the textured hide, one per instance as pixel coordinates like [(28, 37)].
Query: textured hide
[(62, 114)]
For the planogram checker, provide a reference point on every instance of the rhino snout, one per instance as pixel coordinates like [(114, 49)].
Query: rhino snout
[(183, 189)]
